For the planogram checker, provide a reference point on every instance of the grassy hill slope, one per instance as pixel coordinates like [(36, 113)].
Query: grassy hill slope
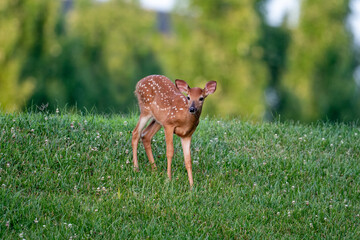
[(70, 177)]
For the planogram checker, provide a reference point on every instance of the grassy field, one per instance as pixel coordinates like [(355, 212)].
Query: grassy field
[(70, 176)]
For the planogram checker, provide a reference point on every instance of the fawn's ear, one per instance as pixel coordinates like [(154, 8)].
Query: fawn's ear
[(182, 86), (210, 88)]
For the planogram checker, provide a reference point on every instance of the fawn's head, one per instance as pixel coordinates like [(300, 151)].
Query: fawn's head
[(195, 96)]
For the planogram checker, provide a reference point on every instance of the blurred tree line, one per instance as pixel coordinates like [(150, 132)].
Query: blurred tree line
[(93, 55)]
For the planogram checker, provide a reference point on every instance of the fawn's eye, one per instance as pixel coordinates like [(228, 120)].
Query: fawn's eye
[(188, 97), (201, 99)]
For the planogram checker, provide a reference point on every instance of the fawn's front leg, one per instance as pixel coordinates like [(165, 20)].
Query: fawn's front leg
[(185, 142), (169, 135)]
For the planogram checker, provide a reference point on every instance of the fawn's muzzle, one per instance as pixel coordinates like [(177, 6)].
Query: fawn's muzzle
[(192, 108)]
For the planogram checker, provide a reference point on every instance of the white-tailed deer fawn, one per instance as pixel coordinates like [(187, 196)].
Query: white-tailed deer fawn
[(163, 102)]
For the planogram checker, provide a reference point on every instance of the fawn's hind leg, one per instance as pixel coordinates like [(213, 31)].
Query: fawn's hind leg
[(136, 136), (146, 137)]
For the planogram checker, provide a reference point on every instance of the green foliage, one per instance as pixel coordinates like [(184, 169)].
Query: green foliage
[(92, 57), (219, 43), (275, 41), (13, 92), (321, 63), (70, 176), (113, 52)]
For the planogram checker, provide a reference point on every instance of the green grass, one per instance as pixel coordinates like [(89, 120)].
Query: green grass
[(70, 176)]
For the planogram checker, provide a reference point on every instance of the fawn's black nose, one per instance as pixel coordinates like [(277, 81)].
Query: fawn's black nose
[(192, 109)]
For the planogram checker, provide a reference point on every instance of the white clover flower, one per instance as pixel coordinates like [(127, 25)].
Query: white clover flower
[(36, 221)]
